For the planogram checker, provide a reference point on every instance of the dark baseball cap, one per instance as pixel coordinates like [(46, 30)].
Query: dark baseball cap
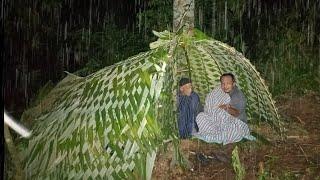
[(184, 81)]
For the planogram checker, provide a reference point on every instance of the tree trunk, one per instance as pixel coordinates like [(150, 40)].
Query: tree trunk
[(183, 15), (183, 19)]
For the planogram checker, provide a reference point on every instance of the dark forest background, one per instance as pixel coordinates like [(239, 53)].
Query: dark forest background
[(42, 39)]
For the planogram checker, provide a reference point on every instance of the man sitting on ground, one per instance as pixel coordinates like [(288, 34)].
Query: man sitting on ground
[(224, 118), (188, 107)]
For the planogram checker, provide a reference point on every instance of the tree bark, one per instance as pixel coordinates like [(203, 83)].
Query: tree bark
[(183, 15)]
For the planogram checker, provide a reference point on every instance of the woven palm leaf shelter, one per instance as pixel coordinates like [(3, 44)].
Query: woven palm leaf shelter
[(111, 123)]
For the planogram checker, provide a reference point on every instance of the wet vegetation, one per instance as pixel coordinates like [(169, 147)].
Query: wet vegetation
[(281, 38), (42, 39)]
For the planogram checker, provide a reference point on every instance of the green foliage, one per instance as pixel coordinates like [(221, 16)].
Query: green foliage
[(104, 125), (156, 16), (110, 44), (179, 158), (215, 58), (112, 122), (106, 47), (208, 59), (129, 108), (222, 20), (260, 138), (288, 64), (42, 93), (281, 41), (237, 166)]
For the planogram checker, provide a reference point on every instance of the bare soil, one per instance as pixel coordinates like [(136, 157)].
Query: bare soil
[(296, 156)]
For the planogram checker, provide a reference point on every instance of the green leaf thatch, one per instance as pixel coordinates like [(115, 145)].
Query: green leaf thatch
[(111, 123)]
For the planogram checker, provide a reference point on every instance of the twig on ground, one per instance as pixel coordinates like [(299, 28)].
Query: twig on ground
[(300, 120), (218, 172), (297, 137), (305, 155)]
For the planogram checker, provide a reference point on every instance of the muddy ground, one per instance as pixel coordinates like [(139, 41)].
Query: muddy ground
[(297, 156)]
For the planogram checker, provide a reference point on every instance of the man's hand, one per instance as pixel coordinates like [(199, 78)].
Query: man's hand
[(224, 106), (231, 110)]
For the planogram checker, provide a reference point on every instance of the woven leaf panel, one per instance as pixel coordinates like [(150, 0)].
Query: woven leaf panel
[(215, 58), (110, 124), (103, 126)]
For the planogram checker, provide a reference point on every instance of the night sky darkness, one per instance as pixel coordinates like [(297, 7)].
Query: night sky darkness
[(34, 34), (28, 66)]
